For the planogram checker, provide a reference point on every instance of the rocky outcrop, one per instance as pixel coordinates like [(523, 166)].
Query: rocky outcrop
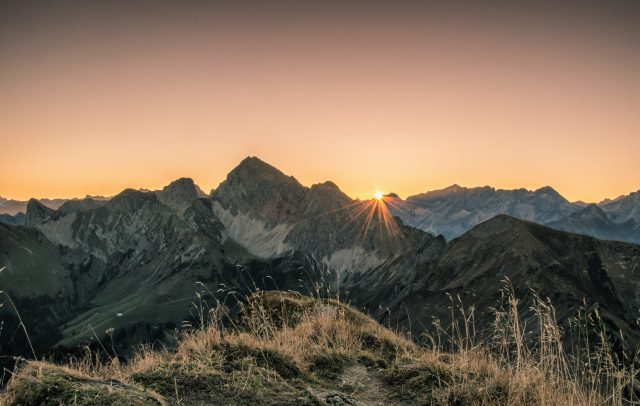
[(179, 195), (37, 213)]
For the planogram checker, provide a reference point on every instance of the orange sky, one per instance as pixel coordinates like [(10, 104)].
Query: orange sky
[(396, 96)]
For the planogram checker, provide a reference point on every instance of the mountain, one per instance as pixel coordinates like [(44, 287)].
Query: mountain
[(623, 208), (39, 283), (593, 221), (17, 219), (272, 214), (258, 198), (455, 210), (135, 262), (13, 207), (569, 269), (76, 205), (143, 262)]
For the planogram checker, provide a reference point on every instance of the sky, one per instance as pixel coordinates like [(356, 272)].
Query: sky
[(396, 96)]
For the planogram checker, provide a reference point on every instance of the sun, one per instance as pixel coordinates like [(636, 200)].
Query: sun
[(378, 195)]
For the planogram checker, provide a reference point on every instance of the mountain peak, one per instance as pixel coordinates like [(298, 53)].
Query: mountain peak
[(260, 190), (449, 190), (37, 213), (179, 194), (255, 164), (548, 190), (501, 223), (590, 211), (253, 169), (321, 196), (181, 185), (327, 185), (75, 205), (455, 188)]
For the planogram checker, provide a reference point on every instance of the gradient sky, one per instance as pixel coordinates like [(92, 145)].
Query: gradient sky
[(397, 96)]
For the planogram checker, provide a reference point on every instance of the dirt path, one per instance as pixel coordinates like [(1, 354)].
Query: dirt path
[(365, 388)]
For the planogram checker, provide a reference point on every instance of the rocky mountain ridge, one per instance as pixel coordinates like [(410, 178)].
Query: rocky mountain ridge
[(454, 210), (138, 262), (451, 211), (573, 271)]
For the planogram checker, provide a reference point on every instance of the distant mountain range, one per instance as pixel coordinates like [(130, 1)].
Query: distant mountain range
[(13, 207), (135, 262), (17, 219), (455, 210)]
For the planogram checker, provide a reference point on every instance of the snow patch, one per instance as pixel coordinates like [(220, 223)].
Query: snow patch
[(254, 234)]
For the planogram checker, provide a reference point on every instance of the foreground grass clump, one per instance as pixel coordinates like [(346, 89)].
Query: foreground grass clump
[(284, 348), (44, 384)]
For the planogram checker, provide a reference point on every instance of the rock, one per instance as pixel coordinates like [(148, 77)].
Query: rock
[(37, 213)]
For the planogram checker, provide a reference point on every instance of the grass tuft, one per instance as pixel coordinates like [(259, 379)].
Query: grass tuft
[(285, 348)]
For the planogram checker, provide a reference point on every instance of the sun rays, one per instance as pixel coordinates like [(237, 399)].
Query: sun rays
[(380, 215), (371, 216)]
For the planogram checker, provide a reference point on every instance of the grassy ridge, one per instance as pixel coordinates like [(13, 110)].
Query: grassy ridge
[(284, 348)]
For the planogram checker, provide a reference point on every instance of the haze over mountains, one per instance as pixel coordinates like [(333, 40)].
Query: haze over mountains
[(13, 207), (455, 210), (135, 262)]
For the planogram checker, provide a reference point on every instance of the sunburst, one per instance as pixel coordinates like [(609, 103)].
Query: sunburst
[(369, 214)]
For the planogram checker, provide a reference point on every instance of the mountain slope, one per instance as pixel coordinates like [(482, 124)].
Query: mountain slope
[(17, 220), (271, 214), (39, 283), (594, 222), (256, 198), (566, 268), (135, 263), (454, 210), (131, 263), (624, 208), (318, 352)]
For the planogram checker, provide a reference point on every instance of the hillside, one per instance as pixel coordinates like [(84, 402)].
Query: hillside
[(137, 262), (592, 220), (289, 349), (569, 269)]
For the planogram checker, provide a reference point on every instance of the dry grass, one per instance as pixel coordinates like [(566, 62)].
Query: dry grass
[(288, 349), (40, 383)]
